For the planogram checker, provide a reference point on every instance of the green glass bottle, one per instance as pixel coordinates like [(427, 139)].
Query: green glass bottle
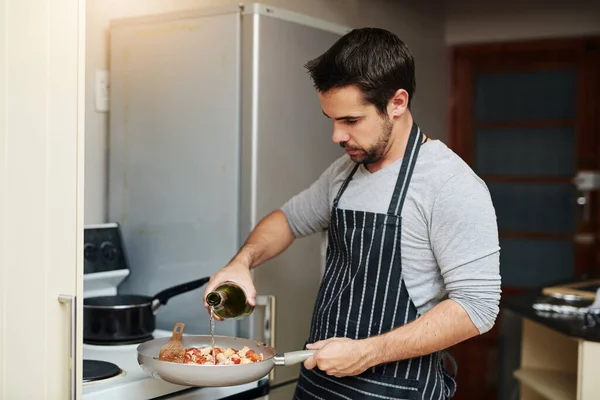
[(229, 301)]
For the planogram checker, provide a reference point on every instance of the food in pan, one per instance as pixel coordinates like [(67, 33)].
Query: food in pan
[(228, 356)]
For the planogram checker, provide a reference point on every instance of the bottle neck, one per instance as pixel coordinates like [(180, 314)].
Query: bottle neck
[(216, 299)]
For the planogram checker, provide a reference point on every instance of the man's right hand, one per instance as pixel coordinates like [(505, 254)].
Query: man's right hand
[(236, 272)]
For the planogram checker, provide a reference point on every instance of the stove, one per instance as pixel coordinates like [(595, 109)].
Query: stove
[(111, 371), (127, 380)]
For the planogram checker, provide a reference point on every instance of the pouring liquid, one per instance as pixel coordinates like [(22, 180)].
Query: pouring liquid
[(227, 301), (212, 333)]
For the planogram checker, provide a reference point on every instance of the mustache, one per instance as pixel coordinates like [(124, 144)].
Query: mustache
[(345, 146)]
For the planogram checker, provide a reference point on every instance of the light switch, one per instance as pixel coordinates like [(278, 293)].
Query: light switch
[(102, 86)]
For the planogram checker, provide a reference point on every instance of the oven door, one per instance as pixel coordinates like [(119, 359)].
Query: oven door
[(252, 391)]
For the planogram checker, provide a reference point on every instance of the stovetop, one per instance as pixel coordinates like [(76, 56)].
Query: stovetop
[(132, 383)]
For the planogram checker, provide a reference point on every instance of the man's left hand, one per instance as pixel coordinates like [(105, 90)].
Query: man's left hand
[(339, 357)]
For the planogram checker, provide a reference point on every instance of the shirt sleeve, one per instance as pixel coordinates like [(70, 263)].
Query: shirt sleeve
[(309, 211), (464, 238)]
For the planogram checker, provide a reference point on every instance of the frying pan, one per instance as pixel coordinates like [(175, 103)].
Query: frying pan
[(209, 374), (127, 318)]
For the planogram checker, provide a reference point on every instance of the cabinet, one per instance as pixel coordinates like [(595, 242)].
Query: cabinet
[(41, 197), (557, 367), (560, 355)]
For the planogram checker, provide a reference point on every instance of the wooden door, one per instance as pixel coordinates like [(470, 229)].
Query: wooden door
[(41, 196), (524, 116)]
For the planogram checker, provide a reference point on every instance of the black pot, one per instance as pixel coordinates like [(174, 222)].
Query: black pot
[(127, 318)]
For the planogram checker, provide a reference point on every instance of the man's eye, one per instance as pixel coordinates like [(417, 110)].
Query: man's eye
[(351, 121)]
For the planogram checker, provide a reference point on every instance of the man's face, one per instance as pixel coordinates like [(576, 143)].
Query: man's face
[(357, 126)]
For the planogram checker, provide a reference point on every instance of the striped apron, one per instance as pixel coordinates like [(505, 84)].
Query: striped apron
[(362, 294)]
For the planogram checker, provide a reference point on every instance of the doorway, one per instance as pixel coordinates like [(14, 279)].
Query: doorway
[(524, 116)]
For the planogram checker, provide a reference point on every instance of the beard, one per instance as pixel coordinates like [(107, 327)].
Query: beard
[(375, 152)]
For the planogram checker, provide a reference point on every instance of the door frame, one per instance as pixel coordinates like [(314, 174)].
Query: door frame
[(474, 354), (541, 54)]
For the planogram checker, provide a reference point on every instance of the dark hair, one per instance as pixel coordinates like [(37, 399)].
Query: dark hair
[(372, 59)]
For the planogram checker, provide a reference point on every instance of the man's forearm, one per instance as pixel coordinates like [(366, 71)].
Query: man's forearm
[(271, 236), (443, 326)]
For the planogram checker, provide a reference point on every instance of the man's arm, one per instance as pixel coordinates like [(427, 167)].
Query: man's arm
[(439, 328), (303, 214), (443, 326), (271, 236)]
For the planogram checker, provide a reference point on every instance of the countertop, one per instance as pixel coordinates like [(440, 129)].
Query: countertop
[(571, 325)]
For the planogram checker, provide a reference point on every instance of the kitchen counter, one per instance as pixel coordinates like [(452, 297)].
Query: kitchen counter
[(560, 357), (569, 325)]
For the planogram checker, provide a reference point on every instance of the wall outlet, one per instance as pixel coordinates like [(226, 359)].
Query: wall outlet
[(102, 86)]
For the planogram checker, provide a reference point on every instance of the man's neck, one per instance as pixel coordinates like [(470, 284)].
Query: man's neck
[(397, 145)]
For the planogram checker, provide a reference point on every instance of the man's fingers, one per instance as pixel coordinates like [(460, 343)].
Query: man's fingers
[(318, 345), (310, 362), (252, 296)]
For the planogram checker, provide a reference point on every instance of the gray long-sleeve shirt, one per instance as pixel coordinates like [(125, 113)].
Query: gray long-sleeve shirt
[(450, 245)]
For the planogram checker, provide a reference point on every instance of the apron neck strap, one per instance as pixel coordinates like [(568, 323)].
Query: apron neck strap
[(406, 170), (344, 186)]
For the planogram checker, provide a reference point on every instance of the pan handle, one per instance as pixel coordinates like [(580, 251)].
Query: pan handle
[(72, 302), (293, 357), (161, 298)]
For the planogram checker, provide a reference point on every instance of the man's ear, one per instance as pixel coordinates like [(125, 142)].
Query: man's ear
[(398, 104)]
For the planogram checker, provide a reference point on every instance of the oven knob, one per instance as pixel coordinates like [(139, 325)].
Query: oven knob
[(90, 252), (109, 251)]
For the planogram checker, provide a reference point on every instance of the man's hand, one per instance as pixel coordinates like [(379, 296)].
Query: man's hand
[(235, 272), (339, 357)]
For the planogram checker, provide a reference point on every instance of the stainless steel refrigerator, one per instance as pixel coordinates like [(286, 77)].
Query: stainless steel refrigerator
[(214, 123)]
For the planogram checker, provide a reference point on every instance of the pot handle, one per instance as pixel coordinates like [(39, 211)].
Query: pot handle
[(161, 298)]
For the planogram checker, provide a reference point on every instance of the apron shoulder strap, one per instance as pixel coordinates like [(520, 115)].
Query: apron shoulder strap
[(406, 170), (344, 185)]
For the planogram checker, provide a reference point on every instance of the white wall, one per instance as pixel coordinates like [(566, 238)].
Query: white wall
[(419, 23), (482, 21)]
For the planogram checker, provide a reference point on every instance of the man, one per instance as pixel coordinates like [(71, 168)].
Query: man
[(413, 255)]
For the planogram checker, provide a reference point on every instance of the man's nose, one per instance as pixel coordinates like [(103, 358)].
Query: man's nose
[(339, 135)]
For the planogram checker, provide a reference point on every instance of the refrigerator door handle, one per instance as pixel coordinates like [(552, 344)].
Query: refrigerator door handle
[(72, 302)]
